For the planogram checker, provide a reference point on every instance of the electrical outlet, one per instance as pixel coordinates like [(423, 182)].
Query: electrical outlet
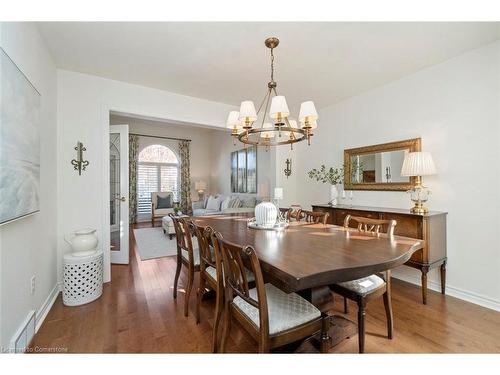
[(32, 284)]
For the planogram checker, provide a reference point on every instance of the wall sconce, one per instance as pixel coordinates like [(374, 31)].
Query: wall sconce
[(79, 163), (288, 169)]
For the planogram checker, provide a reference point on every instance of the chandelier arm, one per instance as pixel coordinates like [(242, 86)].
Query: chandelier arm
[(265, 109), (263, 100)]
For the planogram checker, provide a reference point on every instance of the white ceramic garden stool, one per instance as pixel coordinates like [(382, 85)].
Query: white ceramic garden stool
[(82, 278)]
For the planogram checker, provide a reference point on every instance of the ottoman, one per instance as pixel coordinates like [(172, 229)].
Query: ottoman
[(168, 226)]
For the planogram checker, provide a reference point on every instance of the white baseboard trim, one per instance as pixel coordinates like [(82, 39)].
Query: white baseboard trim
[(42, 312), (454, 292)]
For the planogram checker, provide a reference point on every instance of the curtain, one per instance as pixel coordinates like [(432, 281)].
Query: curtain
[(185, 178), (133, 156)]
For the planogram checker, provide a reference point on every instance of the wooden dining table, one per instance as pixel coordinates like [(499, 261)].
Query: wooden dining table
[(307, 257)]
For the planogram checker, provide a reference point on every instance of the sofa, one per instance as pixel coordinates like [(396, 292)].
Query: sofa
[(225, 204)]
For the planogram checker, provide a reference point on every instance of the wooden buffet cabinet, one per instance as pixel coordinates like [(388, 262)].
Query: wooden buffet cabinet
[(430, 227)]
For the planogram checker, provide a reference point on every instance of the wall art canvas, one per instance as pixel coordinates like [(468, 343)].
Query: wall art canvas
[(244, 170), (19, 143)]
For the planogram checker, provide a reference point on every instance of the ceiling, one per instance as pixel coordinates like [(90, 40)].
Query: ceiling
[(228, 62)]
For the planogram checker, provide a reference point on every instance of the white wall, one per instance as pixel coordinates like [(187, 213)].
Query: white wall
[(454, 108), (200, 150), (28, 246), (83, 106), (222, 145)]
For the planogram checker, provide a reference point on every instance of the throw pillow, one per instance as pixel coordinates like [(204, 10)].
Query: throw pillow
[(249, 202), (164, 202), (213, 204), (225, 204), (235, 203)]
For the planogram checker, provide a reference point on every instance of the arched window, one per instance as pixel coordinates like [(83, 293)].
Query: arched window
[(158, 170)]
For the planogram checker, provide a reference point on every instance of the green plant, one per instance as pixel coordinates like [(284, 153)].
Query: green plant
[(176, 210), (332, 176)]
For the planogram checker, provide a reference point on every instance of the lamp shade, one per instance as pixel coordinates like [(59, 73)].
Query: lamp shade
[(418, 164), (247, 111), (233, 121), (200, 185), (278, 193), (307, 112), (270, 134), (279, 108)]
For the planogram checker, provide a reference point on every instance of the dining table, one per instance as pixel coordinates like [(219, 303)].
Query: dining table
[(308, 257)]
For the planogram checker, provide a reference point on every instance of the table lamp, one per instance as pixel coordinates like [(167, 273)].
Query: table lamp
[(200, 187), (418, 164)]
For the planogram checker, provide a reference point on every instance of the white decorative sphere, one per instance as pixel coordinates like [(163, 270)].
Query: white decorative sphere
[(266, 214)]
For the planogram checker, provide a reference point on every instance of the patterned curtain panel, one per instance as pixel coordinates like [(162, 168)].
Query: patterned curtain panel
[(185, 178), (133, 153)]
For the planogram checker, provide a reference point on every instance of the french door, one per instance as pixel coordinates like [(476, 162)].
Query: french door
[(118, 188)]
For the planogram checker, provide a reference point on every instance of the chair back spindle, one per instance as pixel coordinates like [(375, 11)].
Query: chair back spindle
[(368, 225)]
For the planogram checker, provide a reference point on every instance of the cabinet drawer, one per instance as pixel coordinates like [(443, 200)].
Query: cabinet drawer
[(408, 226)]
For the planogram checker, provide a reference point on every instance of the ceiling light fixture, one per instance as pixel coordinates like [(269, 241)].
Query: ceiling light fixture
[(276, 127)]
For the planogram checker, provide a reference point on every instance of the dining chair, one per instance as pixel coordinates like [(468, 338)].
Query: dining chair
[(188, 254), (368, 288), (296, 213), (210, 269), (272, 317), (285, 212), (316, 217)]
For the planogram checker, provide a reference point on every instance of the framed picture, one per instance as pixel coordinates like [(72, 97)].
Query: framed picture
[(19, 143), (244, 170)]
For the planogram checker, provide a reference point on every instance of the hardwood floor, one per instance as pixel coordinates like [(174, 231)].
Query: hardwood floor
[(137, 314)]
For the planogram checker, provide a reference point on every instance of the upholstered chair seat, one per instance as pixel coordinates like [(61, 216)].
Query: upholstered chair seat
[(196, 255), (364, 285), (286, 311), (213, 273)]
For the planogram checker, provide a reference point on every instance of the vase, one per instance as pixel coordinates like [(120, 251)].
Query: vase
[(83, 242), (266, 214), (334, 194)]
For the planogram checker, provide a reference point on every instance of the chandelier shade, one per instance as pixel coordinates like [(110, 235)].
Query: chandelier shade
[(233, 121), (247, 111), (279, 108), (270, 125), (307, 112)]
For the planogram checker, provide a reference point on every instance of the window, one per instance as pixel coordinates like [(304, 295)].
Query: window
[(158, 170)]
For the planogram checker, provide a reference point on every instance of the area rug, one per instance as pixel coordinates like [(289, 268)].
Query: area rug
[(153, 243)]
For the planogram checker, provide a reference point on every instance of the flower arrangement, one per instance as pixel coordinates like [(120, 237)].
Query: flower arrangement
[(332, 176)]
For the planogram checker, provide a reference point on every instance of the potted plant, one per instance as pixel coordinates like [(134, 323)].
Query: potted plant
[(332, 176), (177, 209)]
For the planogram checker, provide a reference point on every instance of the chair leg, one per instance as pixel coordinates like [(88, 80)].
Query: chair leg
[(177, 274), (388, 312), (219, 301), (361, 325), (188, 291), (346, 306), (199, 296), (226, 328)]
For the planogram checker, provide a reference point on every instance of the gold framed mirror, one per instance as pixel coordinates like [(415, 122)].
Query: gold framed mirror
[(378, 167)]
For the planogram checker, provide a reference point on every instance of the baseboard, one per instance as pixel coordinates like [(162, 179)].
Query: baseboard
[(454, 292), (47, 305)]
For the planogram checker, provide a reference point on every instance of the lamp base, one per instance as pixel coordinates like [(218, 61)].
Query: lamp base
[(419, 209)]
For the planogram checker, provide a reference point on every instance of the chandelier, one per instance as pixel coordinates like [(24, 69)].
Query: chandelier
[(276, 127)]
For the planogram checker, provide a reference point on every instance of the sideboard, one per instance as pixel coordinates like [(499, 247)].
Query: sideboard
[(431, 228)]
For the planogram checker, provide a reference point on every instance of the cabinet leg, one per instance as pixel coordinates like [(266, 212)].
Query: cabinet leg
[(424, 284), (443, 277)]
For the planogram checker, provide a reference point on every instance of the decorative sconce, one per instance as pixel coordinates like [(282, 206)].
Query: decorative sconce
[(288, 169), (79, 163)]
